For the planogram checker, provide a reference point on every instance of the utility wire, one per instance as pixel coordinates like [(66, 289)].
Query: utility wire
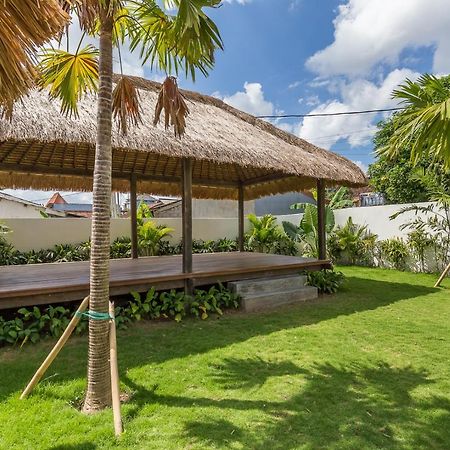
[(346, 113)]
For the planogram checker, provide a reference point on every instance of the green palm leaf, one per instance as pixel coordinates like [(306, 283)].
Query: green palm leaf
[(425, 123), (69, 76)]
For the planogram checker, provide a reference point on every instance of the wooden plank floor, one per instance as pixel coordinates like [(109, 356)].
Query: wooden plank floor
[(58, 282)]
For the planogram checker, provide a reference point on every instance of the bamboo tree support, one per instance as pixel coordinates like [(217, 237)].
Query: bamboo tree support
[(56, 349), (115, 384), (443, 275)]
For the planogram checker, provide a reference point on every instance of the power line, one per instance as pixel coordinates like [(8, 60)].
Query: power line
[(346, 113)]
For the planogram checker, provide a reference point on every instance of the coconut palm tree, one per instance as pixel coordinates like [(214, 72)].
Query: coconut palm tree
[(185, 40), (424, 125)]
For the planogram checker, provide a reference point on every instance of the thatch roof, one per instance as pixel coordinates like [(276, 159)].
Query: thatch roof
[(42, 149)]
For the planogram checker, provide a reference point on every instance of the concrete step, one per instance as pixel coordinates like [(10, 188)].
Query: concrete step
[(272, 300), (267, 285)]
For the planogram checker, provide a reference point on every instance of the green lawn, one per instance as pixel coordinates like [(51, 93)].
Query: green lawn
[(367, 368)]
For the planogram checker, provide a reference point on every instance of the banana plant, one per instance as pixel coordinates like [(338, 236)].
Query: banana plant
[(307, 232)]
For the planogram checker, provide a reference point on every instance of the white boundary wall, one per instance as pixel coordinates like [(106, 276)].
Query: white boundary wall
[(40, 233), (375, 217), (36, 234)]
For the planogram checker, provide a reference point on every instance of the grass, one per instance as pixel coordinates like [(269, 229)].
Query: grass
[(367, 368)]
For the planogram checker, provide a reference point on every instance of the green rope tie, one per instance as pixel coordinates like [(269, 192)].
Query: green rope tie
[(94, 315)]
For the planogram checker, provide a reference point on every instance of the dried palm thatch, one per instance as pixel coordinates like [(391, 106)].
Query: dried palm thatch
[(175, 109), (228, 148), (24, 25), (126, 106)]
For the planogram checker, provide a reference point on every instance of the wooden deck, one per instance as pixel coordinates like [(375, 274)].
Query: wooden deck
[(62, 282)]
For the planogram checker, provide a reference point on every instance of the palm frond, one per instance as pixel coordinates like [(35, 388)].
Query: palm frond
[(25, 25), (69, 76), (126, 107), (425, 123), (175, 109), (186, 40)]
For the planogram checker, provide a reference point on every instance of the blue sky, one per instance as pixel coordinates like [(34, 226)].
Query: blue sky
[(304, 56)]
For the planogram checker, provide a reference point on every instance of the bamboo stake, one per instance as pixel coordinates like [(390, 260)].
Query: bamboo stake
[(56, 349), (443, 275), (115, 384)]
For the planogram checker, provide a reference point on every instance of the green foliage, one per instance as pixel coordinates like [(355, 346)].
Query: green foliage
[(424, 124), (327, 281), (214, 300), (397, 178), (150, 237), (419, 241), (340, 198), (351, 243), (395, 252), (32, 324), (121, 248), (307, 232), (264, 233)]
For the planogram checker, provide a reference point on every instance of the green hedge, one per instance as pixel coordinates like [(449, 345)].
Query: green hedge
[(34, 323)]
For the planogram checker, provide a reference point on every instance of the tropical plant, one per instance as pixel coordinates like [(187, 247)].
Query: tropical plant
[(396, 176), (307, 232), (395, 252), (424, 125), (432, 219), (351, 243), (35, 323), (419, 241), (185, 40), (327, 281), (340, 198), (264, 233), (150, 237), (143, 212)]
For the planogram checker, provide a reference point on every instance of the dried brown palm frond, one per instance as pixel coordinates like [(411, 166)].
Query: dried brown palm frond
[(126, 106), (24, 26), (175, 109)]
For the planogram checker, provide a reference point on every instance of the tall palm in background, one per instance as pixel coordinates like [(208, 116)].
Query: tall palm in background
[(425, 123), (184, 41)]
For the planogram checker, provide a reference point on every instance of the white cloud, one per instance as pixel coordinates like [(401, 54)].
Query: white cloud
[(294, 85), (362, 166), (355, 95), (371, 32), (251, 100)]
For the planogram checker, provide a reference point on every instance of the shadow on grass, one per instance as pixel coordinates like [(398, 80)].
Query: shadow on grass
[(352, 407), (156, 343)]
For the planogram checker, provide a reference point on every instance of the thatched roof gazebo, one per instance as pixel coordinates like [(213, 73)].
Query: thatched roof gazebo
[(225, 154)]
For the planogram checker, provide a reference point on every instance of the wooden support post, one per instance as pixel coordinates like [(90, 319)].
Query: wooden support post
[(321, 220), (56, 349), (241, 217), (187, 222), (115, 384), (133, 217), (443, 275)]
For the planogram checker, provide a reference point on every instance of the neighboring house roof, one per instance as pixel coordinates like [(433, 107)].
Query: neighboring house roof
[(13, 198), (56, 198), (72, 207)]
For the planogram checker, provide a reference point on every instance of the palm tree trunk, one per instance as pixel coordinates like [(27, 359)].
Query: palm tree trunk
[(98, 394)]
